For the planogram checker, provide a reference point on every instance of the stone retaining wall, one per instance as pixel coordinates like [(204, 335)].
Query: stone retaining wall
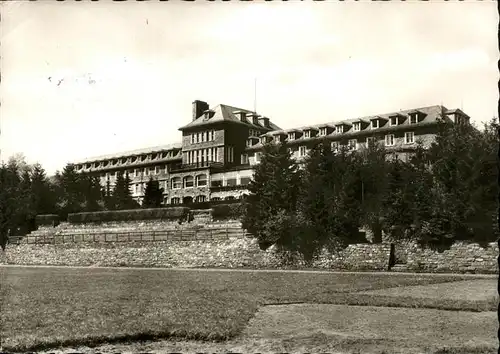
[(238, 252), (231, 253), (461, 257)]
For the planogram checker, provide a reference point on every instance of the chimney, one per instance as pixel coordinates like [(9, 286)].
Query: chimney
[(198, 108), (264, 121), (242, 116)]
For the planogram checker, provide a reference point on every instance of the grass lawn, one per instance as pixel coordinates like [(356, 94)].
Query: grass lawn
[(47, 307)]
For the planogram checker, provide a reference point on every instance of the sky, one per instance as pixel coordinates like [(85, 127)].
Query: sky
[(81, 79)]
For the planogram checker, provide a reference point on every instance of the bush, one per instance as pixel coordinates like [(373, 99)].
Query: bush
[(227, 211), (48, 219), (177, 213)]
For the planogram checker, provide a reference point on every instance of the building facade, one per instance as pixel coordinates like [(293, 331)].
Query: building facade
[(220, 146)]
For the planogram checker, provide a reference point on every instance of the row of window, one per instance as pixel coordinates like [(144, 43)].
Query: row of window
[(202, 155), (356, 127), (389, 140), (147, 171), (132, 159), (202, 137), (197, 199), (188, 182)]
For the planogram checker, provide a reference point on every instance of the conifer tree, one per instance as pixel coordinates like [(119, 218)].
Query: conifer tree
[(122, 196), (153, 194), (273, 196)]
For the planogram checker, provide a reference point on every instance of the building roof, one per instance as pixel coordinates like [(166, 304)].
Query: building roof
[(431, 114), (117, 155), (225, 113)]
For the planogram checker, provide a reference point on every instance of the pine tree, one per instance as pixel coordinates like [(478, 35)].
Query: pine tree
[(122, 195), (153, 194), (273, 196)]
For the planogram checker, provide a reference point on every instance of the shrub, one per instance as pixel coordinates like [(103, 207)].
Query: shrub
[(48, 219), (227, 211), (177, 213)]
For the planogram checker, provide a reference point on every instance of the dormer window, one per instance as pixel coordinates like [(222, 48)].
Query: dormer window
[(357, 126), (340, 129), (414, 118), (291, 136), (277, 139), (322, 131), (263, 140), (249, 142), (375, 124), (393, 121), (307, 134)]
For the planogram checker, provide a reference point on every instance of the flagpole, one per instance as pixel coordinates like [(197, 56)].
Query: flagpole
[(255, 96)]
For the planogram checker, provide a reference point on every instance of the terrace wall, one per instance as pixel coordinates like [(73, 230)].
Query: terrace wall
[(233, 252)]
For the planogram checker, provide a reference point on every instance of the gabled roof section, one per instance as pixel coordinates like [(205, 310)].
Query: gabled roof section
[(225, 113), (432, 114), (149, 150)]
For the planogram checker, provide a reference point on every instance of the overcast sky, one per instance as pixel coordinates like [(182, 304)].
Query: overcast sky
[(84, 79)]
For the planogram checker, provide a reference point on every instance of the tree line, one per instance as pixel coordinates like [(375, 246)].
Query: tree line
[(27, 191), (440, 194)]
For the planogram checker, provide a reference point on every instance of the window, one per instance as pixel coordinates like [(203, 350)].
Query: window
[(188, 182), (176, 183), (175, 200), (340, 129), (414, 118), (230, 154), (335, 146), (291, 136), (357, 126), (200, 199), (229, 198), (231, 182), (393, 121), (353, 144), (216, 183), (201, 180), (389, 140), (211, 135), (409, 138), (245, 180), (263, 140), (244, 159), (215, 199), (107, 176), (307, 134), (302, 151), (257, 156), (322, 131), (370, 141), (277, 139), (157, 170), (136, 188), (375, 124), (249, 142), (136, 173)]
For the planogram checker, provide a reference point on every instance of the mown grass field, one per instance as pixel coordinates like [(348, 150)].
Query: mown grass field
[(50, 307)]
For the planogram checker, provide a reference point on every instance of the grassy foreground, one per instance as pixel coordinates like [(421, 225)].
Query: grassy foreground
[(48, 307)]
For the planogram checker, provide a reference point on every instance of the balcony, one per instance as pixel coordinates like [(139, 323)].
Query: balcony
[(194, 166)]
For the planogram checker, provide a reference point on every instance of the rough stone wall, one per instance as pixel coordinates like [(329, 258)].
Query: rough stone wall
[(461, 257), (234, 252)]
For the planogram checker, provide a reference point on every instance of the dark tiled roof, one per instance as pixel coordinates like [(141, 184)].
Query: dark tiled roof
[(225, 113), (118, 155), (431, 115)]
